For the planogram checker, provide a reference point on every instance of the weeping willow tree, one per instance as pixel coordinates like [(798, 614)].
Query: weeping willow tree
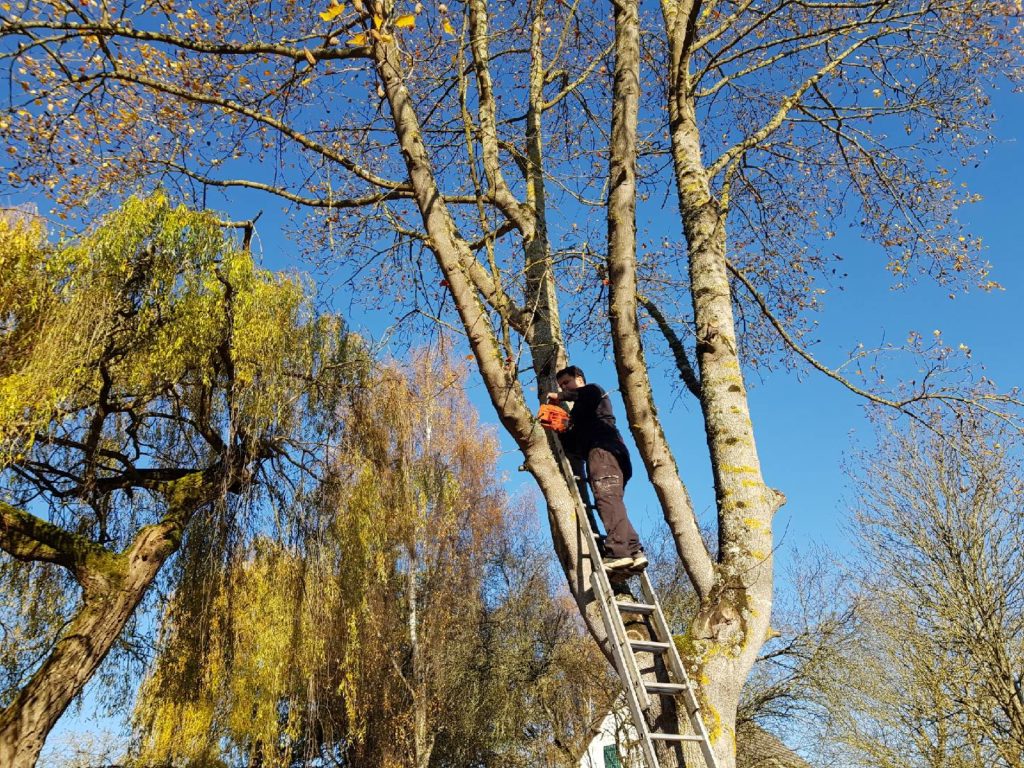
[(150, 374), (403, 621)]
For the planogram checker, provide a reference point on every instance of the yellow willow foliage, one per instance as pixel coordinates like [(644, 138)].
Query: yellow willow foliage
[(311, 643), (153, 297), (272, 650)]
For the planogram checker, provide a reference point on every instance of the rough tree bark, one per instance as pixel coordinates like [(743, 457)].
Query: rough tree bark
[(112, 585), (734, 593), (454, 258)]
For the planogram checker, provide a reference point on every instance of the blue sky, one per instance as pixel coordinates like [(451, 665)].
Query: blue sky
[(804, 423)]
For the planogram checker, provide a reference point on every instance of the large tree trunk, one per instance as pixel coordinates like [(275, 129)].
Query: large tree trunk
[(735, 594), (733, 621), (112, 586), (456, 261)]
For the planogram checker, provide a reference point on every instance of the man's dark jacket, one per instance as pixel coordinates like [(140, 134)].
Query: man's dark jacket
[(592, 425)]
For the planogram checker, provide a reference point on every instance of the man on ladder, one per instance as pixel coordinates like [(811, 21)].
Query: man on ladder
[(593, 438), (589, 435)]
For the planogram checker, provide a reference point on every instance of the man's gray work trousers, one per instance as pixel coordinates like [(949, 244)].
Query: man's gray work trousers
[(608, 482)]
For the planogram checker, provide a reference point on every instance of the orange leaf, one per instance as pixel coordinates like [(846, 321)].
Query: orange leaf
[(408, 21), (359, 39)]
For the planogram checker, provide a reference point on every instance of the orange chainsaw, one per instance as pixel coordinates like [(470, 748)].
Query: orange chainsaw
[(553, 418)]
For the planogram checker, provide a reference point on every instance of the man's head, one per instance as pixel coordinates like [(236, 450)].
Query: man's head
[(570, 379)]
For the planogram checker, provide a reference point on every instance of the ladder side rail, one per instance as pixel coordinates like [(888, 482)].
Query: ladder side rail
[(602, 590), (626, 665), (662, 630), (621, 655), (617, 633), (676, 664)]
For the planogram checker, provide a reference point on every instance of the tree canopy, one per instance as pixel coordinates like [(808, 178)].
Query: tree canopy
[(404, 620), (498, 139)]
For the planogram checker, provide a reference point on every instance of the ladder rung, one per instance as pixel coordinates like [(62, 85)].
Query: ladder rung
[(676, 737), (650, 646), (641, 608), (665, 689)]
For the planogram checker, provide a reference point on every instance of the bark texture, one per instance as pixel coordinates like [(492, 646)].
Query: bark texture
[(733, 621), (735, 591), (112, 585)]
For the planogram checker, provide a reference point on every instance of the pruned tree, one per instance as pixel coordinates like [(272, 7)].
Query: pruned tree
[(150, 372), (483, 134)]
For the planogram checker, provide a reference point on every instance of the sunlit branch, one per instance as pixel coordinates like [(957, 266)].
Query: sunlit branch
[(487, 241), (979, 402), (497, 186), (883, 179), (727, 24), (29, 538), (818, 39), (736, 152), (230, 105), (304, 200), (583, 77), (197, 44)]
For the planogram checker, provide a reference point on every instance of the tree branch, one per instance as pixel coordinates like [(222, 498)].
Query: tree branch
[(28, 538), (497, 186), (737, 151), (675, 344), (99, 29), (230, 105)]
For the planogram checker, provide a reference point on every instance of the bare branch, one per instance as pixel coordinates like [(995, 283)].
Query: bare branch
[(675, 344)]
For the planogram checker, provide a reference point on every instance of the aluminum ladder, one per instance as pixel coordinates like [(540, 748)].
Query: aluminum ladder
[(638, 692)]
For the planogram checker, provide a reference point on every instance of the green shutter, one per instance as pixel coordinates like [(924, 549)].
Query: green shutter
[(611, 757)]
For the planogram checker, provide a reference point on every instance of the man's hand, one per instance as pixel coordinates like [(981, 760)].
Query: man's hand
[(553, 398)]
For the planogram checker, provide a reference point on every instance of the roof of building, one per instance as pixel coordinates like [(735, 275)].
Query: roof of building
[(756, 748)]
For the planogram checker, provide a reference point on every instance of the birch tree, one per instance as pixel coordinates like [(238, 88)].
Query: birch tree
[(497, 139)]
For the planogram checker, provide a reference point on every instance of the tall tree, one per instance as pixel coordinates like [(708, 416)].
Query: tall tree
[(458, 131), (149, 372), (406, 621), (909, 654)]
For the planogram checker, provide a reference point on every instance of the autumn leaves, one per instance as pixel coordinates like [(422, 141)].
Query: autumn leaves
[(383, 27)]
